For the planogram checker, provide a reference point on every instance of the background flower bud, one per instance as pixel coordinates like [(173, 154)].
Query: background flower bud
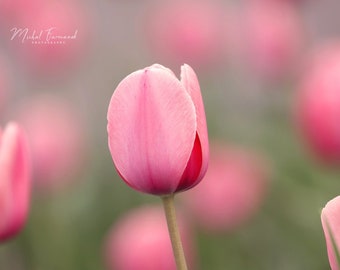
[(56, 133), (140, 240), (232, 191), (15, 181), (318, 103)]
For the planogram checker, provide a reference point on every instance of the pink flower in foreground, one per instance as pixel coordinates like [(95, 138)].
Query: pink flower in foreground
[(318, 104), (187, 31), (57, 137), (14, 181), (330, 218), (157, 130), (231, 192), (140, 240)]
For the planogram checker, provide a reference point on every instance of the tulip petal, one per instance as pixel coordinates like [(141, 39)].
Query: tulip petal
[(151, 127), (191, 84), (331, 225), (15, 180)]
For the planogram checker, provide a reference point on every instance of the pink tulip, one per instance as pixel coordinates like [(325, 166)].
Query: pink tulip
[(318, 104), (330, 219), (57, 137), (157, 130), (231, 192), (271, 37), (140, 240), (14, 181), (187, 31)]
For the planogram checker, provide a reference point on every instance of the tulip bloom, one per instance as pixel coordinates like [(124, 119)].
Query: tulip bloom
[(232, 191), (140, 240), (14, 181), (318, 104), (330, 218), (157, 130)]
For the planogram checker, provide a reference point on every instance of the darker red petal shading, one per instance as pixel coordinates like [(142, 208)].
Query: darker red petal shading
[(193, 169)]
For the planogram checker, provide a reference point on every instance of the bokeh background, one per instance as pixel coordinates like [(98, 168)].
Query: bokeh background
[(250, 57)]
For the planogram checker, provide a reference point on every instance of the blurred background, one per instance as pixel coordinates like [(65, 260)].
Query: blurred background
[(60, 62)]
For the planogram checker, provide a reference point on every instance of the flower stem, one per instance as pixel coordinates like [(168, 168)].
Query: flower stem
[(169, 208)]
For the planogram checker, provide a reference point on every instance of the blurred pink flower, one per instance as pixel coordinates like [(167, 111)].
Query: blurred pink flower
[(57, 137), (270, 37), (15, 180), (140, 240), (330, 218), (52, 38), (318, 103), (231, 192), (157, 130), (187, 32)]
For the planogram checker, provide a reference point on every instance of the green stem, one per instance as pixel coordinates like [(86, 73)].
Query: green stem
[(169, 208)]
